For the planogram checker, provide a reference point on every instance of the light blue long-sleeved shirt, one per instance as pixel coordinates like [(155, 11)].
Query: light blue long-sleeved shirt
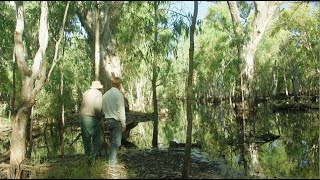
[(113, 105)]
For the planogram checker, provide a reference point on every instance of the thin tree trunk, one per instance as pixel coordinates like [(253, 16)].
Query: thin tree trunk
[(62, 75), (56, 52), (154, 79), (45, 136), (186, 162), (62, 105)]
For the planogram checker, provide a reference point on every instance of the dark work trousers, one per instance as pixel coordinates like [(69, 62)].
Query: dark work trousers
[(91, 135)]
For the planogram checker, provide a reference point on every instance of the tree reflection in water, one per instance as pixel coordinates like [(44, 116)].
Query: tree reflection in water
[(286, 143)]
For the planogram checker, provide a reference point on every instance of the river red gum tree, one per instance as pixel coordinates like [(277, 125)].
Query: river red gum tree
[(32, 78), (108, 64), (263, 13)]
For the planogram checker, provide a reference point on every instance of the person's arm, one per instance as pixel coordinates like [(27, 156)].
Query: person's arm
[(122, 114), (98, 106)]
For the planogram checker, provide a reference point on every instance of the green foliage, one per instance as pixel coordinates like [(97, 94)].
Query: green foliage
[(215, 60), (7, 26), (298, 50), (246, 8), (268, 63)]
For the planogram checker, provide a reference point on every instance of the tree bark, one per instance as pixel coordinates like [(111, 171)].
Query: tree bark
[(186, 162), (13, 98)]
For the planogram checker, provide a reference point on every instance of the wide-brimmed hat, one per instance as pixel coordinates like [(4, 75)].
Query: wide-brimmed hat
[(96, 85)]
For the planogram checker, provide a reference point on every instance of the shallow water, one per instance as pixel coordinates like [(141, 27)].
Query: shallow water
[(293, 155)]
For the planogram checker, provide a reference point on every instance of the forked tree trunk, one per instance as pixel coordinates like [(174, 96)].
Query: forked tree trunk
[(30, 87), (264, 10)]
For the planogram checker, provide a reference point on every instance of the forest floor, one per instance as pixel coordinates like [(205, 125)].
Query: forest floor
[(139, 164)]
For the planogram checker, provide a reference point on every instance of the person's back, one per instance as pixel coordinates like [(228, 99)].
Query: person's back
[(90, 116), (114, 113), (113, 105), (91, 104)]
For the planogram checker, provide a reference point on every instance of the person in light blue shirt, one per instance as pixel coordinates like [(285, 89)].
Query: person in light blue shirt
[(113, 108)]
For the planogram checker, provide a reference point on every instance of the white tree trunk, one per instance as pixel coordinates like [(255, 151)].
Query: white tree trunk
[(30, 86)]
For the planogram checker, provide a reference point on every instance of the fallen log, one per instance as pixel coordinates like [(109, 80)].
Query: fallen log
[(173, 144), (6, 131), (4, 157), (134, 116), (258, 139), (295, 107)]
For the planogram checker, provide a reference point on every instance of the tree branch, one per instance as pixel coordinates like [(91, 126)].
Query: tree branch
[(18, 46), (43, 40), (55, 58)]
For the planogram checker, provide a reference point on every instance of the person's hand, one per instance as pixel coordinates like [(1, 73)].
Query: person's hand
[(123, 129)]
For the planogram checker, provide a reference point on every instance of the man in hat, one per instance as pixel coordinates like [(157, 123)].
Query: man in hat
[(113, 106), (90, 116)]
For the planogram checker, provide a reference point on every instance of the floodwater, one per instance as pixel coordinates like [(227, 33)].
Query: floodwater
[(289, 147)]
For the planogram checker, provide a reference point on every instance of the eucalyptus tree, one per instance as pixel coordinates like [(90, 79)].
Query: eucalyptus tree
[(162, 38), (249, 35), (107, 16), (32, 78), (296, 74), (30, 87), (186, 162), (154, 77)]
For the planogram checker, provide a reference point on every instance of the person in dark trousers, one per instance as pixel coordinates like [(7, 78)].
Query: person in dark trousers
[(113, 107), (90, 117)]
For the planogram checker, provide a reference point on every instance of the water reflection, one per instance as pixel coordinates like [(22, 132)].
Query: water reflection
[(286, 142), (294, 154)]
